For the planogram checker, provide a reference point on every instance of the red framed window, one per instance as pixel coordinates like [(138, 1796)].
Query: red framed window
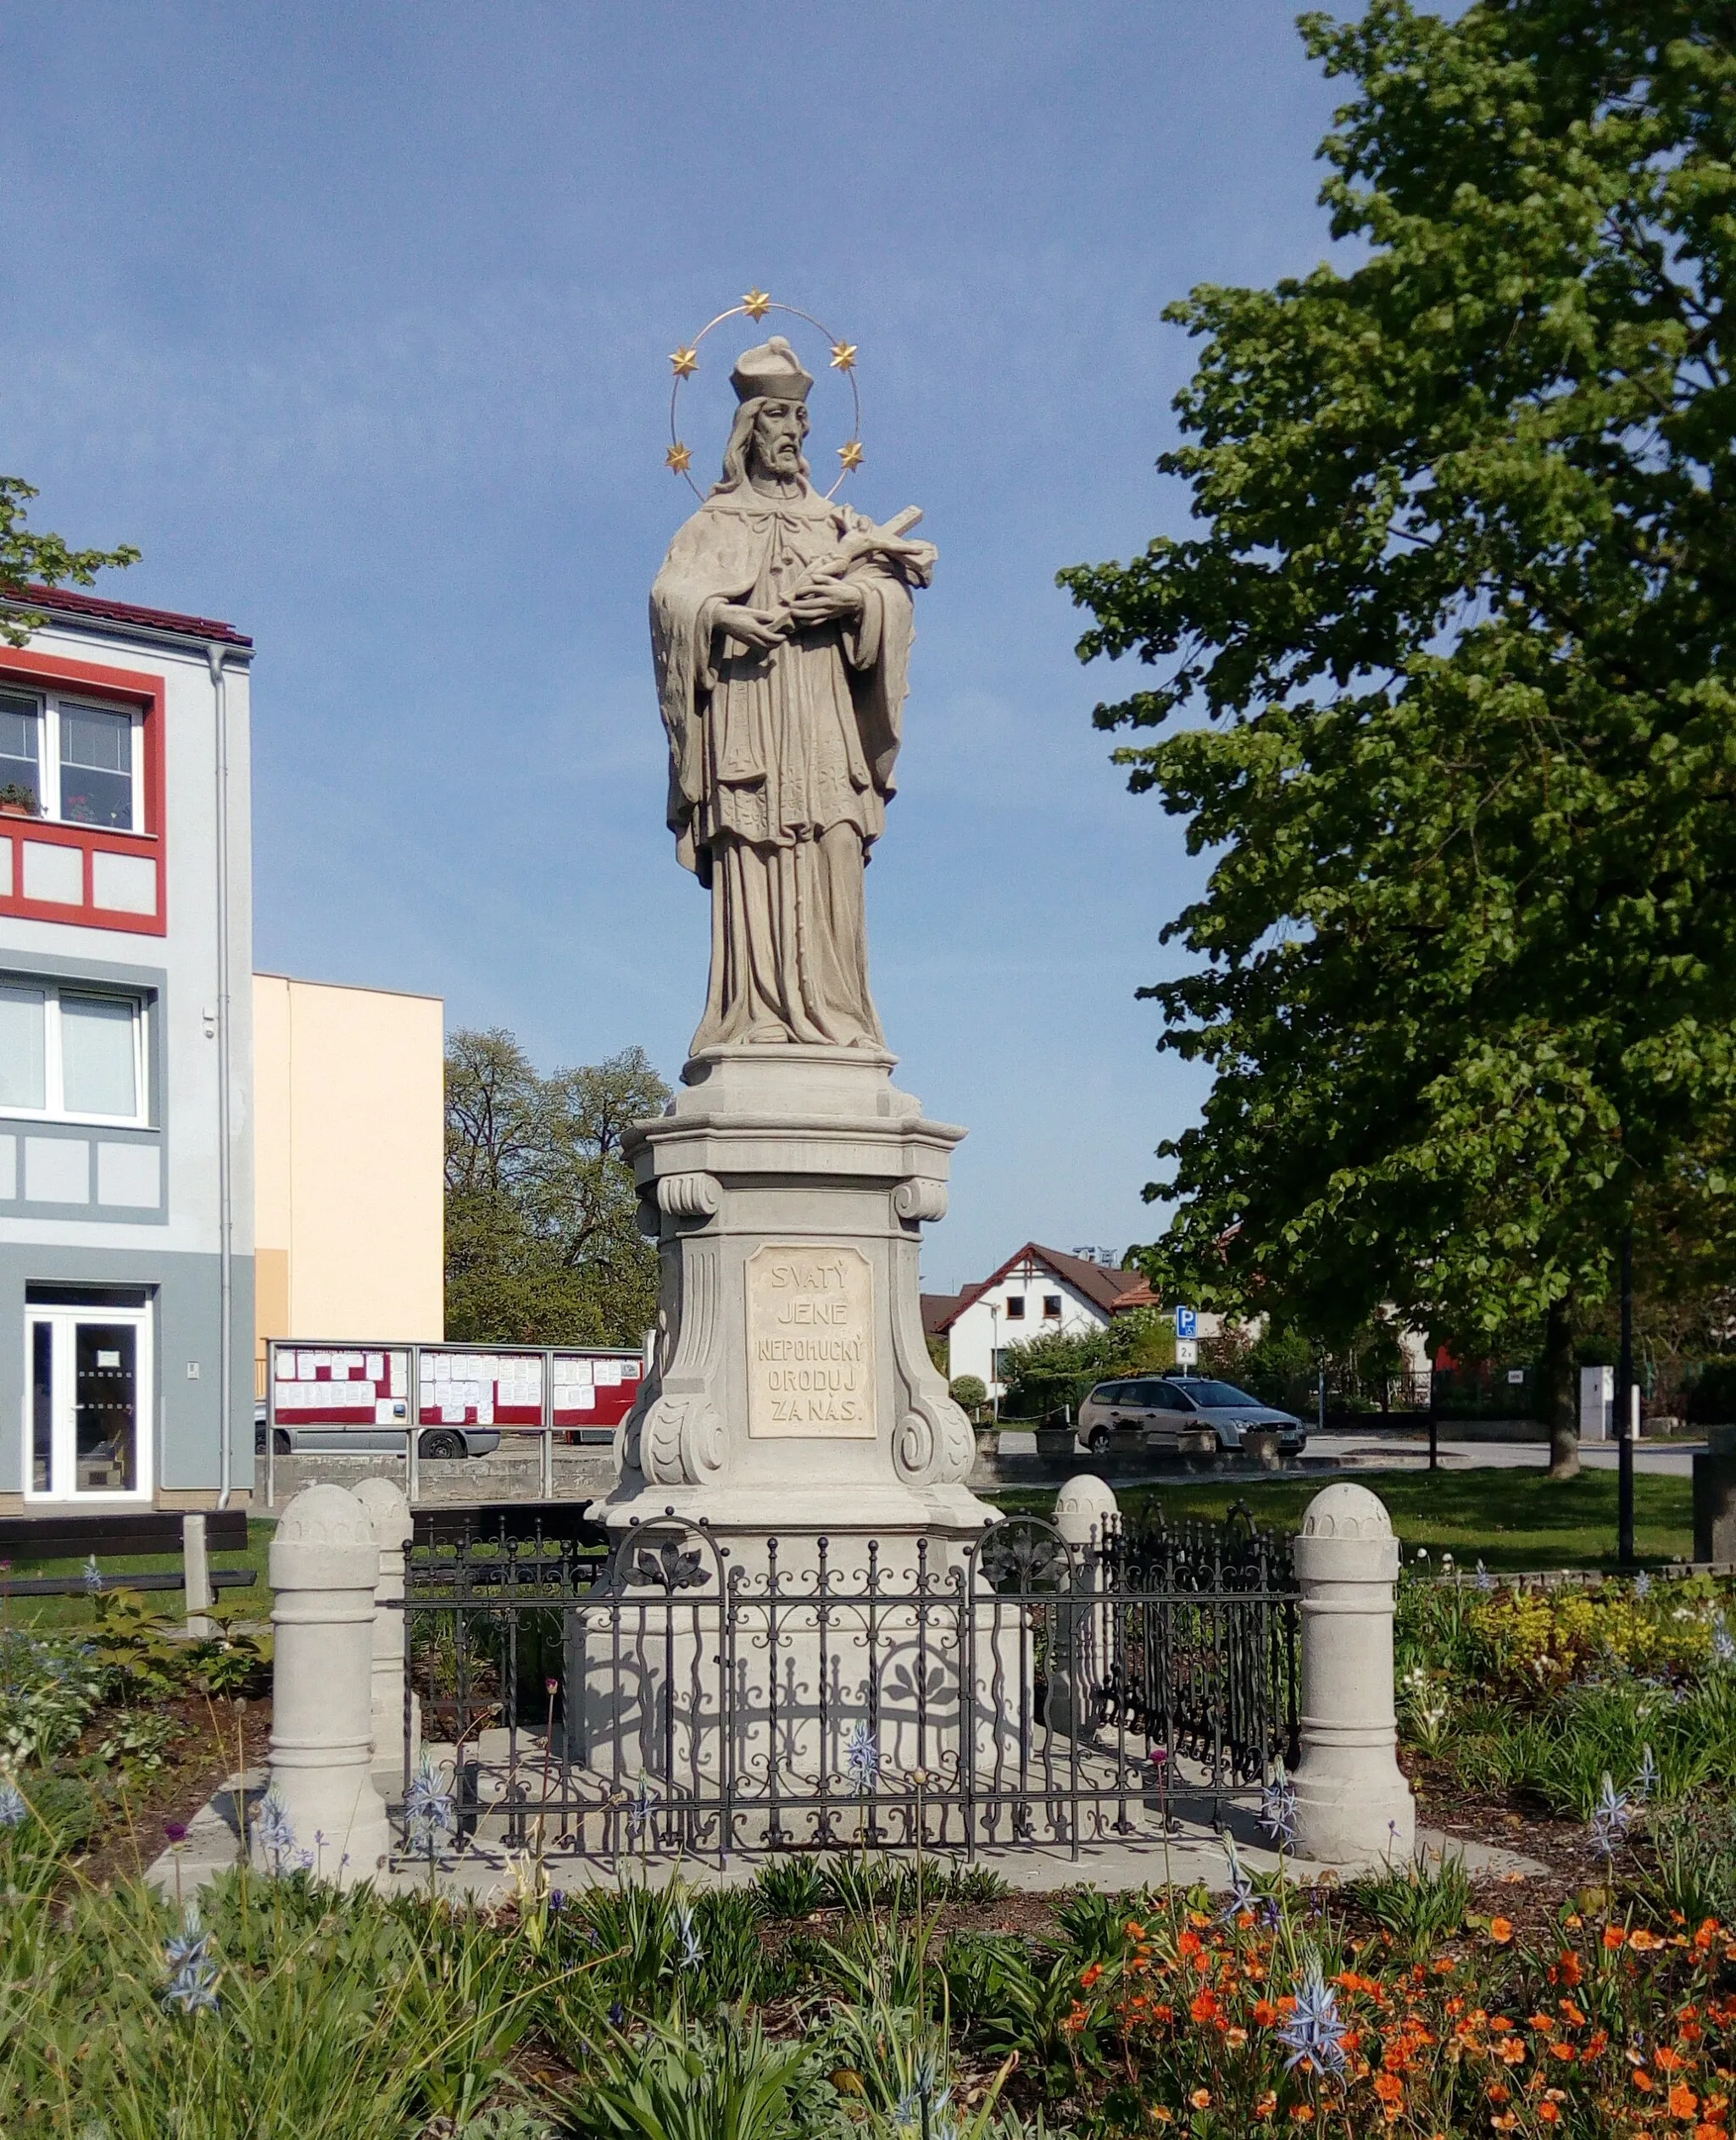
[(81, 793)]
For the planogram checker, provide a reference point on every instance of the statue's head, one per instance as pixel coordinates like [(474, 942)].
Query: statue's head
[(771, 421)]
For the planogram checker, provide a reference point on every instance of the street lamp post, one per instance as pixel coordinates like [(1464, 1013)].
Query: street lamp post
[(994, 1359)]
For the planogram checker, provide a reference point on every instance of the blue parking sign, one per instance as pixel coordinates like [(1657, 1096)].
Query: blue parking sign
[(1187, 1323)]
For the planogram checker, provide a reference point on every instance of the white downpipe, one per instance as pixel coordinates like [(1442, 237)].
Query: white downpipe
[(226, 1187)]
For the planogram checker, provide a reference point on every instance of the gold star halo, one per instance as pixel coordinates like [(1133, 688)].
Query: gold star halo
[(684, 361)]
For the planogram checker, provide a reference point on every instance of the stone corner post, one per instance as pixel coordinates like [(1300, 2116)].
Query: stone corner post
[(324, 1562), (1085, 1513), (196, 1574), (390, 1519), (1353, 1806)]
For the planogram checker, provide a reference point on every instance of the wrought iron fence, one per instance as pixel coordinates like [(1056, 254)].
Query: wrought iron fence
[(675, 1690)]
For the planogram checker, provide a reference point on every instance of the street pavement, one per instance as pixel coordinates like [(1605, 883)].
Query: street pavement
[(1408, 1451)]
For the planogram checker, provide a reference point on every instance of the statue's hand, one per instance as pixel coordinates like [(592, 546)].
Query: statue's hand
[(826, 599), (753, 627)]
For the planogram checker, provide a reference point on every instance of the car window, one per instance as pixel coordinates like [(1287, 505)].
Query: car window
[(1222, 1397), (1107, 1393), (1164, 1397)]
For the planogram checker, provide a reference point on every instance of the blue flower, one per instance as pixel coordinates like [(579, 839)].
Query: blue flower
[(1646, 1776), (192, 1973), (1314, 2034), (428, 1811), (862, 1760), (272, 1829), (639, 1810), (92, 1575), (1242, 1898), (1723, 1647), (1642, 1585), (1484, 1580), (1610, 1818), (14, 1810), (1277, 1809), (693, 1954)]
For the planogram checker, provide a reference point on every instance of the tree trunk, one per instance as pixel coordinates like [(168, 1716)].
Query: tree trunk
[(1560, 1405)]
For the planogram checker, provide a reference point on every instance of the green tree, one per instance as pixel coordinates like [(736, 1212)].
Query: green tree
[(28, 558), (1460, 623), (1042, 1374), (541, 1242)]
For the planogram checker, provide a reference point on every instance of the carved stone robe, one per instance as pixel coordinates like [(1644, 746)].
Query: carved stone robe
[(781, 762)]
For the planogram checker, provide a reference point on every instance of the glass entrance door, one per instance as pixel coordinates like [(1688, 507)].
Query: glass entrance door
[(90, 1399)]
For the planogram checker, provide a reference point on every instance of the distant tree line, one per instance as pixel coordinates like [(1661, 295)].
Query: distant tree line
[(541, 1246)]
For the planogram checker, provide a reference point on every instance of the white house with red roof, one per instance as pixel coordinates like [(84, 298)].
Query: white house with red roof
[(1036, 1292), (126, 1307)]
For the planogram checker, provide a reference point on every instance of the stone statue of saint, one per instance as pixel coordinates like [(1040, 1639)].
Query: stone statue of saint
[(781, 627)]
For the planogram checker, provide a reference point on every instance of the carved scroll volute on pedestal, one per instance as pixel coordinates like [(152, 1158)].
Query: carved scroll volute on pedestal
[(919, 1199)]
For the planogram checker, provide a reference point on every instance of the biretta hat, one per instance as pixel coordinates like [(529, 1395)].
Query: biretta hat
[(773, 370)]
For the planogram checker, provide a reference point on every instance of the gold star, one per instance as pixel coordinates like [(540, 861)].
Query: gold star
[(851, 455), (685, 361), (678, 459), (843, 356), (756, 304)]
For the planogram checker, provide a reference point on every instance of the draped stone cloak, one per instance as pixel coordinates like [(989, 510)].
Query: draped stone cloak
[(780, 761)]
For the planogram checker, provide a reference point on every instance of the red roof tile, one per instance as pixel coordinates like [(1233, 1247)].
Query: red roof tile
[(65, 601)]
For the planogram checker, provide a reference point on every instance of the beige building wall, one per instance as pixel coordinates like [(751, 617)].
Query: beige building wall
[(349, 1155)]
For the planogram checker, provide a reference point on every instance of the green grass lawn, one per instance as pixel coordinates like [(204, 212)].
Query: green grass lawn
[(1507, 1519), (77, 1611)]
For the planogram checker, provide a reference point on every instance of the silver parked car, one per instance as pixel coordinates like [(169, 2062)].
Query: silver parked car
[(1162, 1407)]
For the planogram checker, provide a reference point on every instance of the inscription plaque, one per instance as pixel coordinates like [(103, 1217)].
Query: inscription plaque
[(810, 1343)]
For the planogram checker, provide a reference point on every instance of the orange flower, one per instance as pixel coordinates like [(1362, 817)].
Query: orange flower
[(1683, 2102), (1708, 2131), (1644, 1942), (1573, 2012), (1642, 2080), (1389, 2087), (1264, 2013), (1303, 2114), (1505, 2121), (1160, 2114), (1201, 2098), (1501, 1929), (1189, 1944), (1234, 2039), (1548, 2112), (1570, 1968), (1267, 2103), (1666, 2060), (1562, 2051), (1614, 1936), (1203, 2007), (1089, 1976), (1498, 2093), (1511, 2051)]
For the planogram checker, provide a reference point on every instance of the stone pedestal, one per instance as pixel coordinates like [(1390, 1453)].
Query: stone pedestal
[(1085, 1510), (790, 1389), (1353, 1804), (323, 1562)]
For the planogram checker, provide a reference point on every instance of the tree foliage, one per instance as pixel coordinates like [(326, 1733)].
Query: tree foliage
[(541, 1246), (28, 557), (1459, 622), (1042, 1374)]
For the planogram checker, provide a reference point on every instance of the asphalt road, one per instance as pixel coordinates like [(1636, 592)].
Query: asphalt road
[(1410, 1452)]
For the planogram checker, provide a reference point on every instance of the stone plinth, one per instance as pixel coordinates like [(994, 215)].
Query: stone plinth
[(791, 1390), (1353, 1804), (393, 1526)]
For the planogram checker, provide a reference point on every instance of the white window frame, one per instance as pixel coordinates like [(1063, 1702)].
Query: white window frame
[(63, 1319), (49, 707), (53, 1057)]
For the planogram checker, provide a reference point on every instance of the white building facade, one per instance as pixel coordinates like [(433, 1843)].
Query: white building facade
[(125, 1063), (1036, 1293)]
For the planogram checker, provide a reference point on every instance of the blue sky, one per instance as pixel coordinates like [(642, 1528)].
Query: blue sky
[(356, 319)]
